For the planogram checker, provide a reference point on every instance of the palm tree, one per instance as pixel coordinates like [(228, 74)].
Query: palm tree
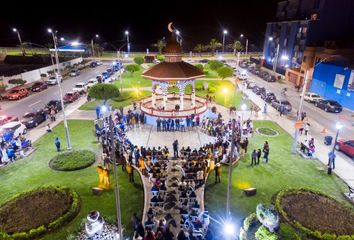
[(236, 46), (97, 50), (160, 44), (213, 45), (199, 48)]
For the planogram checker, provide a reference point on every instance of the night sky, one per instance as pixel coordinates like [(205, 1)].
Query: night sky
[(198, 21)]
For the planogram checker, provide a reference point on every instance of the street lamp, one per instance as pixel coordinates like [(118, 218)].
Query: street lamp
[(223, 41), (246, 43), (62, 39), (296, 134), (128, 43), (92, 48), (19, 39), (243, 108), (68, 144)]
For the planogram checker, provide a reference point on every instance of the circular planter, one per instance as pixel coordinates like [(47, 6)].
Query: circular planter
[(267, 132), (316, 214), (73, 160), (34, 213)]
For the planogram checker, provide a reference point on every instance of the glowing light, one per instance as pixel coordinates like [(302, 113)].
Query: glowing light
[(339, 126), (225, 32), (75, 43), (50, 30), (243, 107), (14, 29), (126, 32), (104, 108), (225, 90), (229, 229), (270, 38)]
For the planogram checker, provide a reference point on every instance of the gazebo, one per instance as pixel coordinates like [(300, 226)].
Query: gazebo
[(173, 72)]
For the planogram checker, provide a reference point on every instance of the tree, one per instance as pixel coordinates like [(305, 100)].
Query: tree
[(103, 91), (97, 50), (213, 45), (199, 48), (236, 46), (139, 60), (200, 66), (17, 81), (160, 44), (225, 72), (215, 65), (132, 68)]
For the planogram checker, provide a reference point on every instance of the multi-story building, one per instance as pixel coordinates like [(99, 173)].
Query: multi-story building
[(302, 23)]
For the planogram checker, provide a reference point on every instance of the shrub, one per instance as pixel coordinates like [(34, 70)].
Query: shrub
[(103, 91), (215, 65), (211, 89), (251, 219), (263, 234), (200, 66), (17, 81), (132, 68), (43, 75), (160, 57), (198, 86), (139, 60), (74, 160), (225, 72)]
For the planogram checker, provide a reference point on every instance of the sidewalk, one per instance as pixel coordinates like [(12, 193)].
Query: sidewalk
[(344, 166)]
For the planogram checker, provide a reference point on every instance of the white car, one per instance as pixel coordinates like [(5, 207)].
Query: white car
[(91, 82), (312, 97), (242, 75), (79, 87), (53, 80), (74, 73), (99, 63), (16, 127)]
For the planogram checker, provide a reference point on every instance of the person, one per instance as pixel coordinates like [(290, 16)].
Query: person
[(168, 235), (281, 110), (11, 154), (284, 91), (130, 171), (135, 222), (98, 112), (49, 129), (245, 144), (52, 114), (265, 108), (259, 153), (57, 144), (175, 148), (100, 176), (217, 173), (106, 182), (298, 87), (266, 151), (331, 159), (253, 157), (306, 128), (182, 235), (158, 124)]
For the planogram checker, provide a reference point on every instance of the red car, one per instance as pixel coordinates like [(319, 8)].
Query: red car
[(71, 97), (347, 147), (16, 93), (38, 86)]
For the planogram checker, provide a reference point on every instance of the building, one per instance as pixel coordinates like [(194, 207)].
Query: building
[(335, 81), (302, 23)]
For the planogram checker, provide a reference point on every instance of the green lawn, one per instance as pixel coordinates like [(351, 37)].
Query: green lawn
[(283, 171), (125, 99), (34, 171), (133, 81)]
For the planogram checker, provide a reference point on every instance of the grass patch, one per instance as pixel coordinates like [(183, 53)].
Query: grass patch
[(33, 172), (125, 99), (267, 132), (133, 81), (284, 170), (73, 160)]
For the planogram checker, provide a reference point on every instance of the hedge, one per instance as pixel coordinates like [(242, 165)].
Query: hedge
[(67, 217), (298, 225), (73, 160)]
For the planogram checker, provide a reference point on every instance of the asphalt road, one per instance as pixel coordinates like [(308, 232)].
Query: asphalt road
[(325, 119), (38, 100)]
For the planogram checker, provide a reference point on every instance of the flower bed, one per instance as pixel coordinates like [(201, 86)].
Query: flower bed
[(74, 160), (34, 213), (316, 214), (267, 132)]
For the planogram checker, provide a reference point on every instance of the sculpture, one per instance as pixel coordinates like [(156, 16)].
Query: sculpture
[(268, 217), (94, 224)]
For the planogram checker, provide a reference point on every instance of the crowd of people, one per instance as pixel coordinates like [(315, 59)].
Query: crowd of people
[(12, 148), (177, 124)]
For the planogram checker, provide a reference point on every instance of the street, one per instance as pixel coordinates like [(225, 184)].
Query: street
[(38, 100)]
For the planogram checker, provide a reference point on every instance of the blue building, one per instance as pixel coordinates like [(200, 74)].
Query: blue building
[(335, 82), (302, 23)]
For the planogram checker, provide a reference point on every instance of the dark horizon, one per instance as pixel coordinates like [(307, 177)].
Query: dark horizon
[(147, 22)]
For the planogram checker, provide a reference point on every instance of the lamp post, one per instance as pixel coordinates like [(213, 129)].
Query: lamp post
[(306, 76), (243, 108), (20, 40), (223, 41), (246, 43), (128, 43), (92, 48), (68, 144)]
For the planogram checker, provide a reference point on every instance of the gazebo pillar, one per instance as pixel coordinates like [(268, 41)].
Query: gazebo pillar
[(153, 99), (181, 95), (164, 100), (193, 94)]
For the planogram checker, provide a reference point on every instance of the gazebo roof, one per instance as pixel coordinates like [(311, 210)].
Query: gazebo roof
[(173, 71)]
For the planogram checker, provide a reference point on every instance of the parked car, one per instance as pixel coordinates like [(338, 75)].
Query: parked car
[(33, 119), (312, 97), (13, 130), (329, 106), (251, 85), (268, 97), (53, 80), (16, 93), (91, 82), (99, 63), (6, 118), (276, 104), (346, 147), (79, 87), (70, 97), (56, 104), (105, 75), (38, 86), (258, 90), (74, 73), (93, 64), (99, 78), (109, 71), (204, 61), (242, 75)]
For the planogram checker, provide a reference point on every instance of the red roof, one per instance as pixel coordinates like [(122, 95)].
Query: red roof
[(173, 71)]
